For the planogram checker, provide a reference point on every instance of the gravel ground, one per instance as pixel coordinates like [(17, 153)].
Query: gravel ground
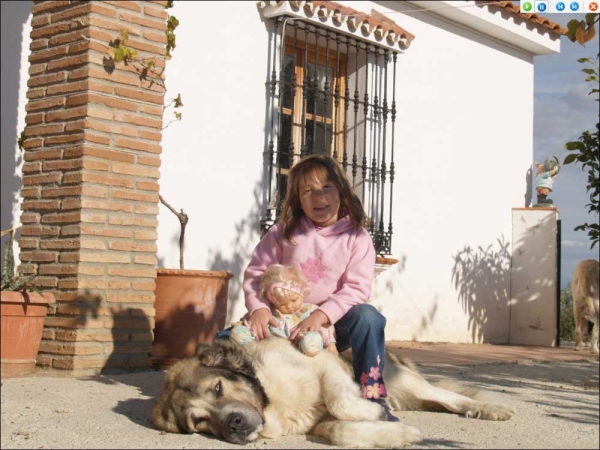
[(557, 407)]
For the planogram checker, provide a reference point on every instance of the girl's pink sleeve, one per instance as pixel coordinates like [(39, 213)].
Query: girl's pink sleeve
[(267, 252), (357, 281)]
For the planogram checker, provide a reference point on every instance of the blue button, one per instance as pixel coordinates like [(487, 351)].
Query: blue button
[(574, 6), (541, 7), (560, 6)]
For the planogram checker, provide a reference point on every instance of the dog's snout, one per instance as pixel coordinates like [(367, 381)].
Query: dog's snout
[(235, 423)]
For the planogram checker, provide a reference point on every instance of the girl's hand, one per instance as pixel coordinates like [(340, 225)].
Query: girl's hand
[(314, 322), (258, 323)]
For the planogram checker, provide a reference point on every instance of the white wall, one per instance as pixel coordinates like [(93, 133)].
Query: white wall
[(465, 146), (463, 150), (16, 18)]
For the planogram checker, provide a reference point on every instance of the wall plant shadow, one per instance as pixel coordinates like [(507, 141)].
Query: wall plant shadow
[(247, 236), (481, 277)]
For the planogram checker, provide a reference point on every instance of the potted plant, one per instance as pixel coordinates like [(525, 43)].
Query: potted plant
[(191, 305), (23, 309)]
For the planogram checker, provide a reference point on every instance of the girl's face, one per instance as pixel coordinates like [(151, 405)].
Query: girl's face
[(320, 199)]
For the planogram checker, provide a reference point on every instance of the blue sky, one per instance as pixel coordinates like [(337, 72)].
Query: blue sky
[(563, 110)]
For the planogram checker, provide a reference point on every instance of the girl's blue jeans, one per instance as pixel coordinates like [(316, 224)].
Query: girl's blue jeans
[(362, 330)]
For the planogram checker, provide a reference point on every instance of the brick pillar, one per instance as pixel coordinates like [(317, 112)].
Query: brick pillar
[(90, 181)]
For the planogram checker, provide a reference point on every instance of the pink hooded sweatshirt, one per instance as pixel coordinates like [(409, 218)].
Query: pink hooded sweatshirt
[(337, 261)]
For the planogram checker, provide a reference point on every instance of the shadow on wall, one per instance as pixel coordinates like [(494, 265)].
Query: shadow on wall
[(528, 189), (120, 338), (247, 236), (482, 279), (15, 16), (427, 317)]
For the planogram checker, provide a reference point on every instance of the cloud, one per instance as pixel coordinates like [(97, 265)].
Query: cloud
[(574, 244)]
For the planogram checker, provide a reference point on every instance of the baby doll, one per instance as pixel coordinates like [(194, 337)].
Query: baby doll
[(544, 180), (285, 288)]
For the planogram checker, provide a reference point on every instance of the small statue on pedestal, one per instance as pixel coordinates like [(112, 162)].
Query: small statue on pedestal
[(544, 180)]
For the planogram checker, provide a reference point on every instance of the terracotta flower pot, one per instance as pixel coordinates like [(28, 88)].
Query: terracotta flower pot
[(22, 326), (191, 306)]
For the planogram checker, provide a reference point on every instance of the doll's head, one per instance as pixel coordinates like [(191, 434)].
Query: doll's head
[(284, 287)]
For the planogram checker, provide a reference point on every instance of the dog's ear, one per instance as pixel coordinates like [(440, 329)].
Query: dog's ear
[(163, 414), (227, 354)]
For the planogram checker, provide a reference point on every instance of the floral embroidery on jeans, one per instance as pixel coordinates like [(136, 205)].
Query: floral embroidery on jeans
[(375, 373), (313, 270), (369, 385)]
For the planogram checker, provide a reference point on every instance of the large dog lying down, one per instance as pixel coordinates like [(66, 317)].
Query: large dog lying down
[(270, 389)]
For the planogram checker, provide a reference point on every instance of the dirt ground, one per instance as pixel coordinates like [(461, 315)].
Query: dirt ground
[(555, 393)]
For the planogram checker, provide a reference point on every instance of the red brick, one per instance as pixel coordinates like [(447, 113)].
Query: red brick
[(99, 153), (40, 7), (148, 185), (52, 78), (33, 119), (138, 120), (137, 145), (156, 12), (35, 105), (149, 161), (66, 88), (35, 130), (130, 247), (139, 95), (155, 37), (43, 154), (49, 54), (37, 68), (149, 23), (132, 6), (69, 62)]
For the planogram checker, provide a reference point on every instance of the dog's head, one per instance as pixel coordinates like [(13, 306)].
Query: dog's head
[(215, 392)]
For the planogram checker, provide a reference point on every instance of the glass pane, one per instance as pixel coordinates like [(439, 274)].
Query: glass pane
[(286, 77), (316, 89), (285, 140), (323, 137)]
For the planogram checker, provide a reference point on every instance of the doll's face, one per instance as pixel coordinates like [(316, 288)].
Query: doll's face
[(286, 301)]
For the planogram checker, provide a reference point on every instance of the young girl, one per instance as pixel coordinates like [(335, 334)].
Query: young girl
[(321, 232)]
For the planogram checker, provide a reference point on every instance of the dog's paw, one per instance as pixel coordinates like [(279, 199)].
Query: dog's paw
[(491, 411), (410, 435), (357, 410), (397, 435)]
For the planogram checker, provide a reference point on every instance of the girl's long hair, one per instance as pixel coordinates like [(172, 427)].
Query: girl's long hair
[(350, 204)]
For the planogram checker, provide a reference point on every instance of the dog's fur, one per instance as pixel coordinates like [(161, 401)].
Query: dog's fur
[(585, 302), (270, 389)]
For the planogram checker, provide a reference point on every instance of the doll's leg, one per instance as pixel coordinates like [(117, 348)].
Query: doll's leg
[(328, 335), (311, 343), (241, 334)]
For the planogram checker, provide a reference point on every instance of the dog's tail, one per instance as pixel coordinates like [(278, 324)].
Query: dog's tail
[(471, 392), (404, 382)]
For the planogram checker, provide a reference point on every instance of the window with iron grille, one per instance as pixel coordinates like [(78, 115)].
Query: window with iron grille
[(335, 94)]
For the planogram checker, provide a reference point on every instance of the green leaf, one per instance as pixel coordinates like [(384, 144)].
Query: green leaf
[(589, 71), (585, 60), (591, 18), (569, 159), (575, 145), (177, 101)]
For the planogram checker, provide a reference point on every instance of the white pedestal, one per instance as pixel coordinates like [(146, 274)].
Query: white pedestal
[(533, 286)]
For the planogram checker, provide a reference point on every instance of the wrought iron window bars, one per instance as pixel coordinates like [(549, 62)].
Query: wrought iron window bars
[(332, 93)]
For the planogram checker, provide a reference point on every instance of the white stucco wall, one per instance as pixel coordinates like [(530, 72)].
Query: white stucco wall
[(16, 26), (463, 151), (463, 148)]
